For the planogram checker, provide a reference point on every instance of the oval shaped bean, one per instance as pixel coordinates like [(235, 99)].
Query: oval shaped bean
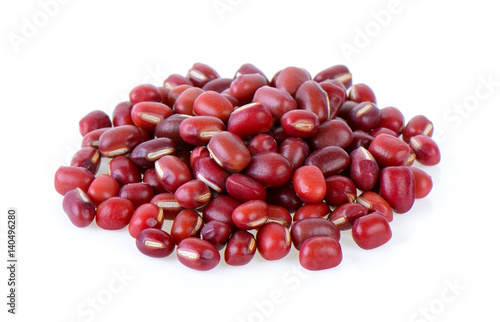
[(364, 169), (365, 117), (198, 130), (229, 151), (88, 158), (139, 193), (426, 150), (332, 133), (290, 79), (262, 143), (337, 72), (309, 184), (119, 140), (214, 104), (144, 93), (240, 248), (312, 210), (187, 223), (146, 153), (184, 104), (69, 178), (418, 124), (375, 203), (390, 151), (145, 216), (216, 233), (423, 182), (94, 120), (362, 93), (193, 194), (250, 215), (200, 74), (344, 216), (146, 115), (243, 87), (123, 170), (102, 188), (79, 208), (244, 188), (277, 101), (198, 254), (371, 231), (397, 187), (172, 172), (273, 241), (155, 242), (339, 190), (300, 123), (121, 114), (114, 213), (295, 150), (312, 227), (221, 209), (318, 253), (250, 120), (392, 118), (270, 169), (330, 160)]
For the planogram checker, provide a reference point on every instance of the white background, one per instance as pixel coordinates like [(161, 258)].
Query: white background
[(437, 58)]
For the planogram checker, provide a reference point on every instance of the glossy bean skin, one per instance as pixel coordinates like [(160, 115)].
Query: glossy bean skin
[(211, 103), (295, 150), (375, 203), (311, 97), (290, 79), (193, 194), (312, 227), (144, 93), (69, 178), (198, 254), (198, 130), (119, 140), (168, 203), (273, 241), (88, 158), (139, 193), (244, 86), (200, 74), (332, 133), (390, 151), (146, 115), (362, 93), (229, 151), (365, 117), (426, 150), (337, 72), (94, 120), (221, 209), (121, 114), (250, 120), (102, 188), (79, 208), (155, 242), (392, 118), (145, 216), (339, 190), (172, 172), (418, 124), (240, 248), (269, 169), (397, 187), (184, 103), (300, 123), (262, 143), (279, 215), (330, 160), (187, 223), (91, 139), (336, 96), (212, 174), (312, 210), (218, 85), (277, 101), (123, 170), (284, 196), (248, 68), (319, 253), (244, 188), (216, 232), (174, 80), (169, 128), (152, 179), (371, 231), (423, 182), (114, 213), (345, 215), (364, 170), (250, 215), (146, 153), (309, 184)]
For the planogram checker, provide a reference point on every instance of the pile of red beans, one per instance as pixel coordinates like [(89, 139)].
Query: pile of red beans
[(248, 164)]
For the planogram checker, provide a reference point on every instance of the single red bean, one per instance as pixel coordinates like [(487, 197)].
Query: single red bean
[(277, 101), (169, 128), (312, 210), (344, 216), (243, 87), (309, 184), (375, 203), (312, 227), (168, 203), (371, 231), (332, 133), (390, 151), (300, 123), (218, 85), (250, 215), (216, 233), (88, 158), (193, 194), (211, 103), (79, 208), (121, 114), (392, 118), (91, 139), (295, 150), (212, 174), (200, 74), (337, 72), (144, 93), (269, 169), (426, 150), (273, 241), (311, 97), (330, 160), (364, 170), (423, 182), (262, 143), (124, 170), (146, 115), (155, 242), (418, 124), (249, 120), (175, 92), (102, 188), (336, 96), (94, 120), (152, 179), (119, 140), (186, 224), (139, 193), (284, 196), (240, 248), (318, 253), (174, 80), (248, 69), (365, 116), (198, 254), (69, 178), (146, 153), (229, 151), (198, 130), (184, 103), (279, 215), (145, 216), (397, 187), (362, 93), (339, 190), (114, 213), (221, 209), (291, 78), (244, 188), (172, 172)]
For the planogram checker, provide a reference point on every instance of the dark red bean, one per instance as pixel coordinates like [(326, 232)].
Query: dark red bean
[(291, 78), (193, 194), (144, 93), (375, 203), (330, 160), (339, 190), (79, 208), (200, 74), (198, 254), (397, 187), (146, 115), (155, 242), (175, 80), (273, 241), (311, 97), (312, 210), (139, 193), (426, 150), (300, 123), (229, 151), (244, 86), (262, 143), (169, 128), (114, 213), (277, 101), (146, 153), (365, 116), (337, 72), (312, 227), (152, 179), (250, 215), (371, 231), (250, 120), (186, 224), (332, 133), (364, 169), (69, 178), (392, 118), (145, 216), (94, 120), (102, 188), (269, 169), (295, 150), (218, 85), (124, 170), (121, 114), (390, 151), (119, 140), (279, 215), (309, 184), (214, 104), (198, 130), (344, 216), (423, 182), (172, 172), (284, 196), (184, 103), (418, 124), (346, 108), (212, 174), (216, 233), (318, 253), (362, 93), (359, 138), (168, 203), (336, 96), (221, 209), (164, 92), (244, 188), (88, 158), (240, 248)]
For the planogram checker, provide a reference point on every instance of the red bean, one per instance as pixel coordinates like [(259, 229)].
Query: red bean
[(262, 143), (216, 232), (184, 103), (311, 97), (200, 74), (155, 242), (250, 215), (114, 213), (240, 248), (318, 253), (417, 125), (174, 93), (144, 93), (198, 254), (309, 184), (344, 216), (175, 80), (147, 115), (119, 140), (375, 203), (139, 193), (169, 128), (79, 208), (371, 231), (186, 224), (121, 114), (146, 153), (339, 190), (244, 188), (69, 178), (102, 188), (423, 182), (426, 150), (243, 87), (337, 72), (277, 101), (88, 158), (312, 227), (198, 130), (172, 172), (362, 93), (152, 179), (390, 151), (291, 78), (145, 216), (364, 169), (330, 160), (93, 121), (273, 241), (91, 139), (221, 209), (332, 133), (284, 196), (295, 150), (269, 169), (312, 210), (211, 103), (229, 151), (392, 118), (250, 120), (300, 123), (397, 186), (365, 116), (279, 215), (168, 203), (193, 194), (336, 96), (218, 85), (123, 170)]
